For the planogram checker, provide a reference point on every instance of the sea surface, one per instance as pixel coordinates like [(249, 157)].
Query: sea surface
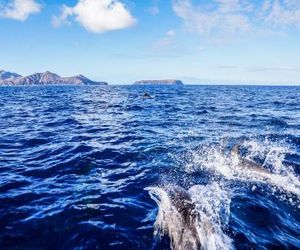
[(92, 167)]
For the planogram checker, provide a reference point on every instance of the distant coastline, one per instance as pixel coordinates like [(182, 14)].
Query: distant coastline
[(46, 78), (49, 78), (8, 78)]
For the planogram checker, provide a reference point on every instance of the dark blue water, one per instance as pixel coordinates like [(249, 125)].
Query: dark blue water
[(76, 164)]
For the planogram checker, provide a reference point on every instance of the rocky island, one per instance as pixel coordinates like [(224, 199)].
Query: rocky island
[(159, 82), (46, 78)]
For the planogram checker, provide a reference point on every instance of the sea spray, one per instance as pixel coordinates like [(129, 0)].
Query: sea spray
[(218, 161)]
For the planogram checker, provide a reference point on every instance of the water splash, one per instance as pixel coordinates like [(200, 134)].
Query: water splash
[(204, 229), (272, 171)]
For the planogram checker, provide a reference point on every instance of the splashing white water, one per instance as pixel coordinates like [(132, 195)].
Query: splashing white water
[(203, 229), (211, 202), (273, 171)]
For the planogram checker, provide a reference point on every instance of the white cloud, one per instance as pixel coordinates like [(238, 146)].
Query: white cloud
[(223, 17), (166, 40), (219, 15), (171, 33), (97, 16), (19, 9), (282, 14)]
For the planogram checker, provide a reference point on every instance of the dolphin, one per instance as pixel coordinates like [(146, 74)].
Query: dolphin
[(245, 164), (147, 96), (189, 238), (286, 183), (183, 203), (188, 226)]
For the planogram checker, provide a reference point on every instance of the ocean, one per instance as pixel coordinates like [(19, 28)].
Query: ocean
[(98, 167)]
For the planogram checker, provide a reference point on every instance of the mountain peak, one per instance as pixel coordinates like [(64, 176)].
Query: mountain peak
[(47, 72), (8, 76), (81, 76), (49, 78)]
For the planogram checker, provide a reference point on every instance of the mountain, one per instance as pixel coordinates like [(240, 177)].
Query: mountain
[(26, 80), (49, 78), (81, 80), (6, 75), (159, 82)]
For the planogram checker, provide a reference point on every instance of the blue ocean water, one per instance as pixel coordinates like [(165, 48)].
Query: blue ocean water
[(89, 167)]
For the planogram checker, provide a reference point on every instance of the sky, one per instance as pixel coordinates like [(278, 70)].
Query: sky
[(121, 41)]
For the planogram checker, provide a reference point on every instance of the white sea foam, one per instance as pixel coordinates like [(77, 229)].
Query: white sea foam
[(278, 175), (212, 202)]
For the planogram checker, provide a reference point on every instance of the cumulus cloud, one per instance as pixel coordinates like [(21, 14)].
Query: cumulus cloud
[(97, 16), (237, 16), (19, 9)]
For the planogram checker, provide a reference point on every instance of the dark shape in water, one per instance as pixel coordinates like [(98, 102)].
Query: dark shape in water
[(147, 96)]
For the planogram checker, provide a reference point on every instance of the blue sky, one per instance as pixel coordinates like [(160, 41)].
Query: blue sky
[(120, 41)]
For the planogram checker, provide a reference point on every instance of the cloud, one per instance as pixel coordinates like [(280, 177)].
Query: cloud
[(275, 69), (19, 10), (282, 14), (166, 40), (154, 9), (217, 16), (97, 16), (228, 17)]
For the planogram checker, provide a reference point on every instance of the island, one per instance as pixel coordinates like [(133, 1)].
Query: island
[(159, 82), (46, 78)]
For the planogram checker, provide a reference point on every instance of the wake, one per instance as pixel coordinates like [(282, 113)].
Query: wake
[(232, 166), (196, 218)]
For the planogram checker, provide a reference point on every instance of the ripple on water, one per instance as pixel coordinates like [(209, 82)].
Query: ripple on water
[(77, 165)]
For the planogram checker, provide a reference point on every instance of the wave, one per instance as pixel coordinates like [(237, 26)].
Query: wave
[(74, 163)]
